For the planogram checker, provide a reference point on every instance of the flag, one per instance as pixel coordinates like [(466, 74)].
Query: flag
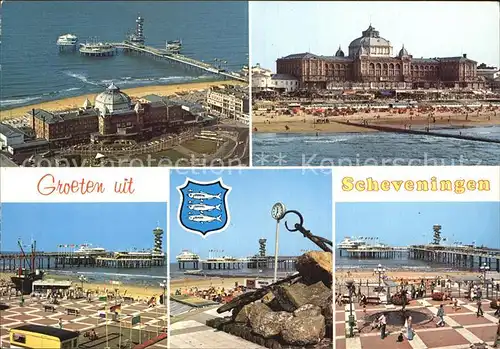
[(136, 318), (103, 298), (115, 308)]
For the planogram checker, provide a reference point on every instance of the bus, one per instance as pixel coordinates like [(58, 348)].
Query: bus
[(38, 337)]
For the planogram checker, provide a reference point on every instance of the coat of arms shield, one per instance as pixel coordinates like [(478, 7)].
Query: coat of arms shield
[(203, 206)]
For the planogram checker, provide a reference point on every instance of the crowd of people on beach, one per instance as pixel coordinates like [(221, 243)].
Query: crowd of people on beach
[(215, 294)]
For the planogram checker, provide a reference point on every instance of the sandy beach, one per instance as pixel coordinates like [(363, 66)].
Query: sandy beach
[(204, 283), (356, 275), (305, 123), (76, 102)]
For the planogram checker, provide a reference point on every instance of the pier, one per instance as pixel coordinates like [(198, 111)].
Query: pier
[(420, 132), (56, 260), (376, 253), (463, 257), (284, 263), (129, 47)]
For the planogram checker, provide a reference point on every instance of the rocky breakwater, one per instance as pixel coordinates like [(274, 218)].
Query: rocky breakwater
[(296, 312)]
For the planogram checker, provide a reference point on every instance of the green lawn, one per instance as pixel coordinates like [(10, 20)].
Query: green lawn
[(201, 146)]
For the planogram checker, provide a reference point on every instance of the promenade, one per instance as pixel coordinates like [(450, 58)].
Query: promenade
[(463, 327)]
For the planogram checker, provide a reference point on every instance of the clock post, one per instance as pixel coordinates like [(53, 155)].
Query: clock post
[(277, 212)]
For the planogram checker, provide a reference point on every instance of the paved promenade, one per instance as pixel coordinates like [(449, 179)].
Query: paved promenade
[(463, 328)]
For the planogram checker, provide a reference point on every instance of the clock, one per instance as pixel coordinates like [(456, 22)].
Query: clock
[(278, 211)]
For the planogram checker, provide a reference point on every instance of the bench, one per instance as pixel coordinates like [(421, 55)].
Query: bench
[(72, 311), (49, 307)]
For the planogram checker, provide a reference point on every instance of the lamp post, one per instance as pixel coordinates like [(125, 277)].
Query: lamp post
[(484, 269), (350, 284), (164, 286), (277, 212), (380, 271)]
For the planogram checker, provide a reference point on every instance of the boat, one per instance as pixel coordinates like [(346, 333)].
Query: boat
[(25, 277), (174, 46), (67, 40), (351, 242), (186, 255)]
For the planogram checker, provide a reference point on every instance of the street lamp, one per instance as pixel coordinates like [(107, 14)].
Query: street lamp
[(350, 284), (380, 271), (164, 286), (484, 269)]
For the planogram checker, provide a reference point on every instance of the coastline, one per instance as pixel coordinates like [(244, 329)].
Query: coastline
[(137, 92), (304, 123)]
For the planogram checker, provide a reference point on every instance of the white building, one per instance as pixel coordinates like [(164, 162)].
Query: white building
[(276, 82), (229, 102), (489, 73), (257, 69), (10, 136)]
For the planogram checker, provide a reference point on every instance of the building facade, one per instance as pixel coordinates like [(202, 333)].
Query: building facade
[(229, 102), (113, 116), (275, 82), (10, 136), (371, 64)]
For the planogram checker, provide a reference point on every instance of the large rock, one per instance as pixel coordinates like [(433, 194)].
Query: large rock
[(299, 294), (240, 314), (304, 330), (270, 324), (256, 311), (281, 297), (307, 310), (316, 266)]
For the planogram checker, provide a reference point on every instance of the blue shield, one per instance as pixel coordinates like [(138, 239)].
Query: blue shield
[(203, 206)]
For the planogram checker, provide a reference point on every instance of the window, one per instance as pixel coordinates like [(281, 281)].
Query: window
[(19, 338)]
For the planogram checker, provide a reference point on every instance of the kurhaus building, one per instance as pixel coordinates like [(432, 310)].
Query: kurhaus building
[(371, 63), (113, 116)]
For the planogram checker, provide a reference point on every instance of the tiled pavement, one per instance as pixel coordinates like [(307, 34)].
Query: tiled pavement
[(462, 329), (193, 333), (152, 319)]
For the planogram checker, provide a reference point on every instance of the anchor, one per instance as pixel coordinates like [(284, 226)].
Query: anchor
[(321, 242)]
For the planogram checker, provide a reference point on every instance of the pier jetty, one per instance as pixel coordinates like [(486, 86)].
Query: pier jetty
[(383, 128), (188, 260)]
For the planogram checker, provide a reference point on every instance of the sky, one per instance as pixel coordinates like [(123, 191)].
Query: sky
[(426, 28), (114, 226), (253, 194), (401, 224)]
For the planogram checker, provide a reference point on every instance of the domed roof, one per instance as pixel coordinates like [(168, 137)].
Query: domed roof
[(112, 100), (339, 53), (403, 52), (370, 37)]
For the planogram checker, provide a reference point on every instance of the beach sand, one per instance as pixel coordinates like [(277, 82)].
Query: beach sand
[(304, 123), (142, 291), (76, 102), (396, 275), (204, 283)]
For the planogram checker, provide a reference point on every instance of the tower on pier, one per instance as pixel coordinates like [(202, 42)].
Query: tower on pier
[(138, 36), (437, 234), (158, 240), (262, 247)]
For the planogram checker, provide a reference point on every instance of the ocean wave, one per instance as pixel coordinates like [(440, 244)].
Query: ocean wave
[(16, 101), (81, 77), (326, 141)]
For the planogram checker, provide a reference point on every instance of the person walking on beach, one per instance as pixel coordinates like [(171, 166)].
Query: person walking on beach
[(440, 315), (479, 308), (383, 323), (497, 337)]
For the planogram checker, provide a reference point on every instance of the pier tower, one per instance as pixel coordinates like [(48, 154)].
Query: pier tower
[(138, 36), (262, 247), (437, 234), (158, 242)]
